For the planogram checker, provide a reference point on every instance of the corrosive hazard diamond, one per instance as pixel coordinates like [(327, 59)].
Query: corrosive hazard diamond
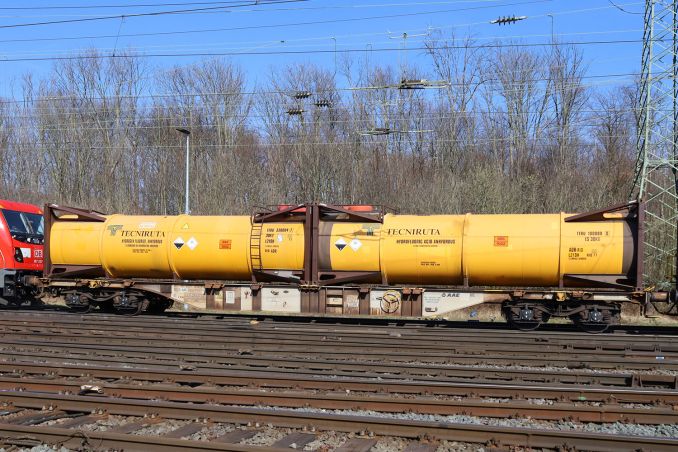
[(179, 242), (340, 244)]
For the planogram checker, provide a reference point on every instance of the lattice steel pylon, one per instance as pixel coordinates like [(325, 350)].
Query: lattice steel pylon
[(656, 177)]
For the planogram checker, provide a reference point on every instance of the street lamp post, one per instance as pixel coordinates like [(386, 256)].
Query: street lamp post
[(187, 133), (553, 36)]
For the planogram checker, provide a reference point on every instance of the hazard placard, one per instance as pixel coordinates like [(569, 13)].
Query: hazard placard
[(340, 244), (178, 243), (501, 240)]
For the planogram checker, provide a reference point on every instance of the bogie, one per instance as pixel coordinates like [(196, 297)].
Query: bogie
[(592, 317), (119, 302)]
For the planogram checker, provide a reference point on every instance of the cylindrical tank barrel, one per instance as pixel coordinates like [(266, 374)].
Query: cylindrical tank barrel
[(478, 250), (183, 247)]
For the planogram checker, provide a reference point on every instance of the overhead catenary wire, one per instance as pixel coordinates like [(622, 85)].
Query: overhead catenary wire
[(100, 6), (78, 109), (576, 84), (354, 142), (324, 22), (287, 42), (210, 3), (622, 9), (148, 14), (177, 121), (421, 48), (297, 43), (324, 51)]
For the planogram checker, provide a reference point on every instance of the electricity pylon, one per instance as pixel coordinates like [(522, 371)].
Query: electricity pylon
[(656, 178)]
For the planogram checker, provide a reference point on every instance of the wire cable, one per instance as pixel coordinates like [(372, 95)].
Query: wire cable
[(148, 14), (622, 9), (295, 24), (326, 51), (153, 5)]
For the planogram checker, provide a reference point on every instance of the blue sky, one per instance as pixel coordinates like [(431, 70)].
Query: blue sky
[(311, 29)]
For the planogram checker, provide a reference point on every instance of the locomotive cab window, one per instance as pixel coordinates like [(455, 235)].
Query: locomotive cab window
[(25, 227)]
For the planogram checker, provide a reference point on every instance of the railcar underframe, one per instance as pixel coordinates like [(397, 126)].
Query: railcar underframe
[(524, 308)]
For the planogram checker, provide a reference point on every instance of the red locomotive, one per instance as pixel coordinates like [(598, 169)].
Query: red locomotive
[(21, 249)]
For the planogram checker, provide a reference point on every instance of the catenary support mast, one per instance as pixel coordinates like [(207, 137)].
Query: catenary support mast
[(656, 178)]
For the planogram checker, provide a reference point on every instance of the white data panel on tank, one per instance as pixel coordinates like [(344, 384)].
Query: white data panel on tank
[(437, 303), (281, 300)]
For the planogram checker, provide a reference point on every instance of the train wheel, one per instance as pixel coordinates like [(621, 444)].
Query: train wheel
[(594, 320), (128, 304), (525, 317), (79, 303)]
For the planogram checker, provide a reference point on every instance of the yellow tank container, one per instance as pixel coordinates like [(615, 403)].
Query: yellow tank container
[(184, 246)]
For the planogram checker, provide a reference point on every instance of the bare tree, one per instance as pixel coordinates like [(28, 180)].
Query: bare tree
[(512, 130)]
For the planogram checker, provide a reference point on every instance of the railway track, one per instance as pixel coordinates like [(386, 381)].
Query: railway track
[(439, 346), (194, 320), (581, 409), (306, 423), (329, 386)]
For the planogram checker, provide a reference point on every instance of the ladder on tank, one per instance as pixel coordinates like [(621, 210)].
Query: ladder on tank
[(255, 247)]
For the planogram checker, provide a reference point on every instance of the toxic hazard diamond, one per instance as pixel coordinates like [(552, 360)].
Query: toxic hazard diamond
[(192, 243), (179, 242), (355, 244), (340, 244)]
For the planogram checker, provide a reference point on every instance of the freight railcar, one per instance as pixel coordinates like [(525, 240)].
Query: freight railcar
[(315, 259)]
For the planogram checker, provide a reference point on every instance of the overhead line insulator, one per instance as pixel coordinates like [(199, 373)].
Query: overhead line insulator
[(507, 20)]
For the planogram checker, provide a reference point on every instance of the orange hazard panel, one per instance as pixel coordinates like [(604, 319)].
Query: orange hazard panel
[(500, 240)]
